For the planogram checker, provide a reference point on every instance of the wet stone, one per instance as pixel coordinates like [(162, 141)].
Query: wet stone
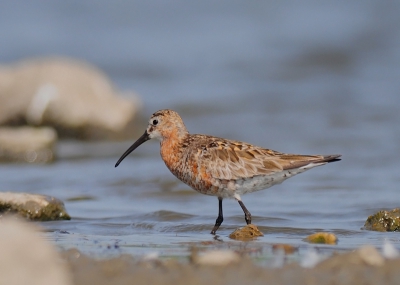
[(248, 232), (32, 206), (384, 221), (322, 237)]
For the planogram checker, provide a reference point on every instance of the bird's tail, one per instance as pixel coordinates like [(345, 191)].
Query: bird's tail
[(330, 158)]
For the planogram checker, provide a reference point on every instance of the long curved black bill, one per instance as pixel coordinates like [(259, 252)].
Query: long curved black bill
[(142, 139)]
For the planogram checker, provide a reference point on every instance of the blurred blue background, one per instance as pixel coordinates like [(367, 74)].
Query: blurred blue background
[(202, 51)]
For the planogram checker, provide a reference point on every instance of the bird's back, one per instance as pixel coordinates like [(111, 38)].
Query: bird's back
[(221, 167)]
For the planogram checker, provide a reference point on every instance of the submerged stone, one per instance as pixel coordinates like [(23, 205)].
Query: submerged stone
[(33, 207), (322, 237), (81, 198), (246, 233), (384, 221)]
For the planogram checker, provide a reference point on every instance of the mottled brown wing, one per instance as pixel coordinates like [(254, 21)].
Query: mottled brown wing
[(234, 160)]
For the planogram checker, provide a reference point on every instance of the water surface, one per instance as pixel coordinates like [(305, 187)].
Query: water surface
[(306, 78)]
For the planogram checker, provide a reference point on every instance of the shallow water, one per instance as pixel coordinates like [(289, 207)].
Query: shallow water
[(307, 78)]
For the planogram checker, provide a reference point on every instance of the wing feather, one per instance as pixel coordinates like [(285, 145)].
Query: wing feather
[(226, 159)]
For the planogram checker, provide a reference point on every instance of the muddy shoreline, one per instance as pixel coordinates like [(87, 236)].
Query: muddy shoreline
[(346, 268), (29, 257)]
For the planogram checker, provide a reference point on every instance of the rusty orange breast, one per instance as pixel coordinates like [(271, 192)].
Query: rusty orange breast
[(184, 166)]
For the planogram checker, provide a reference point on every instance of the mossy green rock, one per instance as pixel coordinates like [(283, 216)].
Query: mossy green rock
[(33, 207), (384, 221), (322, 237)]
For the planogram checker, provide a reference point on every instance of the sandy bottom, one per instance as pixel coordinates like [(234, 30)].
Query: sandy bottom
[(363, 266)]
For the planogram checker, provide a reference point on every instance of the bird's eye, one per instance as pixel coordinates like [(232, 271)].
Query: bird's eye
[(155, 122)]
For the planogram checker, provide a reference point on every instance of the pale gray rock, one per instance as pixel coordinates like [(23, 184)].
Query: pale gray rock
[(33, 206), (74, 97), (27, 144), (26, 258), (215, 257), (370, 255)]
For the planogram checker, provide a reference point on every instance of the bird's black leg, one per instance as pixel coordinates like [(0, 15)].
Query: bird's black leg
[(247, 215), (220, 218)]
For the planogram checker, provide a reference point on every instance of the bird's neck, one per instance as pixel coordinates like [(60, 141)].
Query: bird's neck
[(172, 148)]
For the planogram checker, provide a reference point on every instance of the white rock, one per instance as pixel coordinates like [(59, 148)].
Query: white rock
[(311, 258), (151, 256), (370, 255), (216, 258), (26, 258), (70, 95), (389, 251)]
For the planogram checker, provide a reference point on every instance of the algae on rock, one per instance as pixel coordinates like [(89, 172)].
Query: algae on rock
[(384, 221), (33, 207), (322, 237)]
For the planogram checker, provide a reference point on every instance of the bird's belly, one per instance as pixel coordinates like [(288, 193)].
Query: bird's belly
[(255, 184), (230, 188)]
